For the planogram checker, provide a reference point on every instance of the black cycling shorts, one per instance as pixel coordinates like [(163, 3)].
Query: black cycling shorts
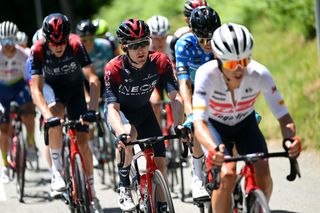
[(246, 136)]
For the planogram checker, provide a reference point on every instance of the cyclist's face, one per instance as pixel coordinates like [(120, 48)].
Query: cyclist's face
[(205, 44), (159, 43), (88, 42), (57, 50), (235, 75), (138, 52)]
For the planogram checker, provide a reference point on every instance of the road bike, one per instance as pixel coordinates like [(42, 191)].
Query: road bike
[(247, 196), (78, 192), (148, 187)]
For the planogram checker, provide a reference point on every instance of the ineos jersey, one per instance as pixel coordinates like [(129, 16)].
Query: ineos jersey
[(132, 87), (63, 71), (212, 99)]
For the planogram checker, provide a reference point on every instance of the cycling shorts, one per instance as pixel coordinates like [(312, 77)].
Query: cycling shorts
[(72, 98), (146, 124), (246, 136), (18, 92)]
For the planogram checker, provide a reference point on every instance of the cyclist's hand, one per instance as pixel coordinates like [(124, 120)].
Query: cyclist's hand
[(215, 158), (183, 132), (121, 140), (90, 117), (189, 121), (294, 147)]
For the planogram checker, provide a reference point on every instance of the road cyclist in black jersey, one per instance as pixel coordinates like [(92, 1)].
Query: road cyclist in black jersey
[(223, 106), (130, 79), (58, 62)]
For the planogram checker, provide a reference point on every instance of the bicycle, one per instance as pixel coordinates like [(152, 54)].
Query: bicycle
[(247, 196), (18, 149), (146, 187), (78, 192)]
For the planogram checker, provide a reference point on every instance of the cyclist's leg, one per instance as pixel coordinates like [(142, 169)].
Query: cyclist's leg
[(221, 198), (251, 140)]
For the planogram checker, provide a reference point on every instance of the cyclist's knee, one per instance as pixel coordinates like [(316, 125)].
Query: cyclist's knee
[(228, 180)]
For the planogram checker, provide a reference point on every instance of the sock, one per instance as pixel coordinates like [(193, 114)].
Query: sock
[(124, 176), (56, 160), (197, 168), (91, 182), (30, 139)]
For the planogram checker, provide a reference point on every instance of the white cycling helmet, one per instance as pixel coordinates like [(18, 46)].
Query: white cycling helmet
[(22, 38), (232, 42), (8, 30), (159, 25)]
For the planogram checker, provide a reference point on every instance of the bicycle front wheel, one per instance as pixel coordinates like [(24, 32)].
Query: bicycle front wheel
[(160, 187), (82, 189), (257, 202), (20, 165)]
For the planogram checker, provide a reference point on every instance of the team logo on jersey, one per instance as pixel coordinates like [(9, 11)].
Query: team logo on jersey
[(137, 89)]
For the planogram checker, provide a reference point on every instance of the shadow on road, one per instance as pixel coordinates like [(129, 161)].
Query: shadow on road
[(37, 197), (283, 211), (112, 210)]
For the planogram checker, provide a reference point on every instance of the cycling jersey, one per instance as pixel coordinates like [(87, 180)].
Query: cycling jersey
[(212, 99), (189, 57), (100, 55), (13, 70), (64, 71), (132, 87), (167, 50)]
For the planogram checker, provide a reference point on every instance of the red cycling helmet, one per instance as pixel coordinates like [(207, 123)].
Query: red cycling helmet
[(192, 4), (56, 28), (131, 30)]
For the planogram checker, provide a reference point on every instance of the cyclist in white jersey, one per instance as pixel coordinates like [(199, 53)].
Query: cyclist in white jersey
[(223, 106), (13, 87)]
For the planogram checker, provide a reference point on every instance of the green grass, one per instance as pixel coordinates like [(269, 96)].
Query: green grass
[(292, 59)]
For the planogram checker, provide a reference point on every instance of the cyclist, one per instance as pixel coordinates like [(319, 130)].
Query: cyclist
[(130, 79), (189, 6), (22, 40), (193, 50), (160, 40), (58, 61), (13, 87), (223, 106)]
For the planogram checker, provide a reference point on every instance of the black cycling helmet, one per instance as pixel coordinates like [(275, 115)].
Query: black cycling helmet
[(189, 5), (204, 21), (86, 28), (132, 29), (56, 28)]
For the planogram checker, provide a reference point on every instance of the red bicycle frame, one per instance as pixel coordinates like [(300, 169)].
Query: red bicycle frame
[(247, 171)]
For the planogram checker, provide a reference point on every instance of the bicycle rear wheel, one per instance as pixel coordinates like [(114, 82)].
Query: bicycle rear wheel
[(82, 189), (159, 185), (20, 165), (257, 202)]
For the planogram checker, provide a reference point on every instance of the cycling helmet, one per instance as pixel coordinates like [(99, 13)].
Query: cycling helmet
[(101, 26), (37, 35), (56, 28), (204, 21), (131, 30), (85, 28), (159, 25), (8, 30), (192, 4), (232, 42), (22, 38)]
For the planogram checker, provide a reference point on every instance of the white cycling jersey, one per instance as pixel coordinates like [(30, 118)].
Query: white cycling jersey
[(212, 99)]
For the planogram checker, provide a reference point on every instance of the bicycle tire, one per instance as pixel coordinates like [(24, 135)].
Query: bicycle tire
[(82, 192), (257, 202), (158, 181), (20, 166)]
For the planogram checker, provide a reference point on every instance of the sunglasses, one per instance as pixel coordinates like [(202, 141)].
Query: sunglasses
[(141, 44), (204, 41), (7, 41), (232, 65), (56, 44)]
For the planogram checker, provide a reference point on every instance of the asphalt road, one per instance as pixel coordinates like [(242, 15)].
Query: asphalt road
[(300, 196)]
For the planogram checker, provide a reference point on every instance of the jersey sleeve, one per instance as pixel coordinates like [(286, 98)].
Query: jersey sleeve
[(35, 59), (272, 95), (111, 80), (79, 51), (166, 74), (182, 56), (201, 95)]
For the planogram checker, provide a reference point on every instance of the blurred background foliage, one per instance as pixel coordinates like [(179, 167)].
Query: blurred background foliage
[(284, 33)]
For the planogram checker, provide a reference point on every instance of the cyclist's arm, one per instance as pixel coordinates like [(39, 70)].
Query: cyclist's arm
[(202, 133), (36, 88), (94, 83), (287, 126), (177, 106), (115, 119), (186, 94)]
